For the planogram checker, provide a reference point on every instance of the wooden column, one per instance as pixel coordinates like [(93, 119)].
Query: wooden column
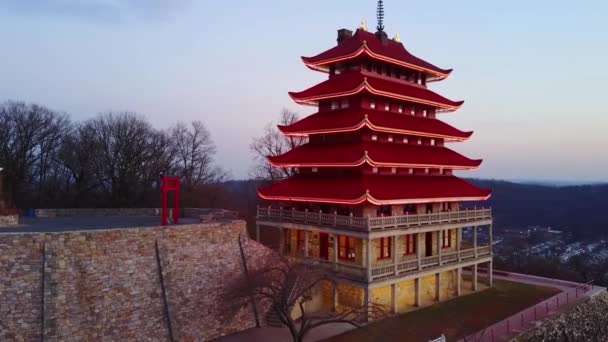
[(394, 298), (475, 277), (458, 241), (366, 301), (306, 236), (394, 253), (475, 241), (368, 259), (439, 245), (336, 251), (459, 281), (418, 292), (419, 250)]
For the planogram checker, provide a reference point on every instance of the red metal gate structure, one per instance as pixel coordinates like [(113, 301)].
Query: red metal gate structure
[(170, 184)]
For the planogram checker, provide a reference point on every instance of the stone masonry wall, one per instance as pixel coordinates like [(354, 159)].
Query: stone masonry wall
[(9, 220), (105, 285)]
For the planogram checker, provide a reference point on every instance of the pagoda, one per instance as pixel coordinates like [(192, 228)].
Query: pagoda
[(373, 198)]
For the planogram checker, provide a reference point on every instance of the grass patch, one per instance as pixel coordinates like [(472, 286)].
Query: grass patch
[(455, 318)]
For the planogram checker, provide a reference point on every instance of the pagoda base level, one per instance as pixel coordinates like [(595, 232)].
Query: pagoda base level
[(401, 296)]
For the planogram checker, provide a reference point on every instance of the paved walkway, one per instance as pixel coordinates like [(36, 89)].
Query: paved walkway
[(268, 334), (510, 327)]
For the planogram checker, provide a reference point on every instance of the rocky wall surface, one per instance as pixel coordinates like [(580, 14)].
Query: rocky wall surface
[(106, 285), (9, 220)]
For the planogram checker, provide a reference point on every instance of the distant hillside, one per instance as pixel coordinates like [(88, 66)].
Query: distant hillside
[(582, 209)]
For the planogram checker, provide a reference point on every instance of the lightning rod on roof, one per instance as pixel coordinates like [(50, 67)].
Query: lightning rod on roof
[(380, 14)]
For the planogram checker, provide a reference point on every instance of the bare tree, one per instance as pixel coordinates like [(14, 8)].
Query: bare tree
[(286, 287), (273, 144)]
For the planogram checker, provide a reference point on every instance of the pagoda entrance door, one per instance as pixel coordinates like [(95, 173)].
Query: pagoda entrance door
[(428, 244), (324, 246)]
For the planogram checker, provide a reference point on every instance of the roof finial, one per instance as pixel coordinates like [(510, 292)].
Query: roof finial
[(363, 24), (397, 38), (380, 13)]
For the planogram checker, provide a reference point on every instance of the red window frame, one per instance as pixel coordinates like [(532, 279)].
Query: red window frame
[(410, 244), (385, 248), (446, 236), (346, 248), (301, 244)]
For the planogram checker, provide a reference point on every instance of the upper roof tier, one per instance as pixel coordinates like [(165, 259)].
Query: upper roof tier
[(367, 43), (375, 154), (375, 189), (353, 83), (353, 119)]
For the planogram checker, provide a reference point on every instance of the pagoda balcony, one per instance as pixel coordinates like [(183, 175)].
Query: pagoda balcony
[(370, 224), (405, 267)]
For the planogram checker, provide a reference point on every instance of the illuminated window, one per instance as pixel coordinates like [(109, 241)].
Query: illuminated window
[(387, 107), (405, 140), (410, 244), (315, 170), (346, 248), (385, 247), (413, 110), (372, 104), (394, 170), (410, 171), (374, 137), (390, 138), (424, 113), (446, 238), (334, 105), (433, 142), (426, 171), (345, 104), (419, 141), (375, 170)]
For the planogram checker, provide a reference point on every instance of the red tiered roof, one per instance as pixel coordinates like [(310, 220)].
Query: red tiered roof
[(348, 120), (375, 189), (367, 43), (375, 154), (352, 83)]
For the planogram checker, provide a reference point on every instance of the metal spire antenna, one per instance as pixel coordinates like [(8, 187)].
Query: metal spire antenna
[(380, 14)]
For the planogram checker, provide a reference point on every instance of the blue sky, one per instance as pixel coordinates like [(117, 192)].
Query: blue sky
[(532, 73)]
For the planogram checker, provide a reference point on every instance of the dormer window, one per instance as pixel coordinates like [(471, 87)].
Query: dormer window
[(334, 105), (344, 104), (390, 138), (372, 104), (374, 137)]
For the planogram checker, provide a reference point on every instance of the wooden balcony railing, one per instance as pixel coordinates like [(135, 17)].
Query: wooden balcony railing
[(404, 267), (372, 223)]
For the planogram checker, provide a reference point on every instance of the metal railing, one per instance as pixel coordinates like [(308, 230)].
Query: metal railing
[(372, 223), (387, 270)]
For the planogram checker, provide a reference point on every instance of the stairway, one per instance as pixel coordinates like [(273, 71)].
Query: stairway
[(273, 320)]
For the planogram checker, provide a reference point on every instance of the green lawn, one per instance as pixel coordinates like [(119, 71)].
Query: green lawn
[(455, 318)]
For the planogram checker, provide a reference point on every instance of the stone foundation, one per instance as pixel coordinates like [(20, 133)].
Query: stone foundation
[(106, 285), (9, 220)]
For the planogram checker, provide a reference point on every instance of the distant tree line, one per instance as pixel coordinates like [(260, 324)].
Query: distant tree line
[(114, 159)]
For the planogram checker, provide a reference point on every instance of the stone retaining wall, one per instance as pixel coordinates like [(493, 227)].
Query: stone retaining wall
[(9, 220), (105, 285), (96, 212)]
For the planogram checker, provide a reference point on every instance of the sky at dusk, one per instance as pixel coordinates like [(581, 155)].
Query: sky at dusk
[(533, 74)]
